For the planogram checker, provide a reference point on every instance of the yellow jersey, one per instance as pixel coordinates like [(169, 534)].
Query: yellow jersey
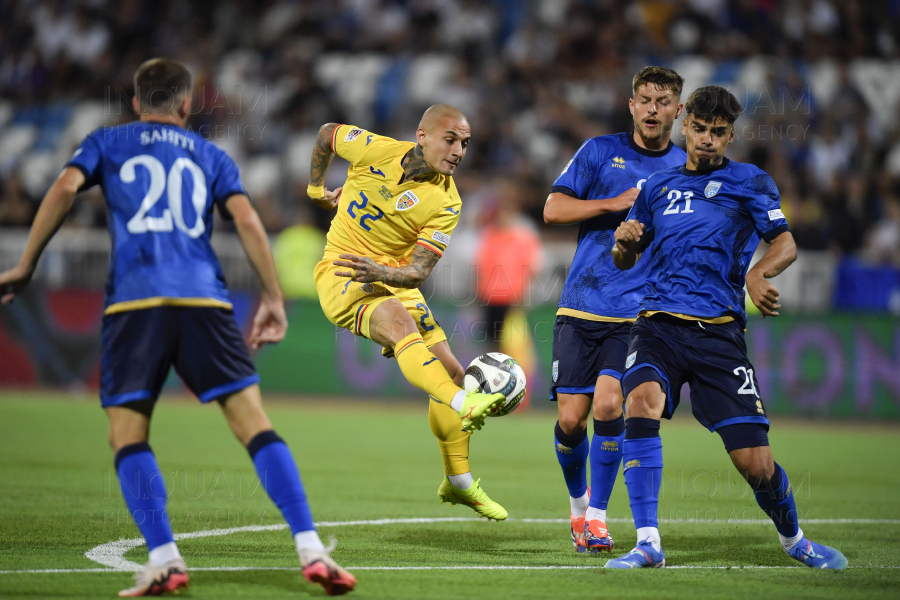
[(379, 217)]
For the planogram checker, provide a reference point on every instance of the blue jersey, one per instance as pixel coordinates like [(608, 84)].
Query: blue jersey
[(703, 228), (160, 183), (604, 167)]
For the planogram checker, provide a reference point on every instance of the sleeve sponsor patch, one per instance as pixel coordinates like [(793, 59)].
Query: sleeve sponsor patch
[(441, 237), (352, 134), (776, 214)]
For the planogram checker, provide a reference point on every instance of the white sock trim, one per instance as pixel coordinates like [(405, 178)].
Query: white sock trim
[(595, 514), (579, 505), (650, 534), (458, 399), (163, 554), (461, 482), (308, 539), (788, 543)]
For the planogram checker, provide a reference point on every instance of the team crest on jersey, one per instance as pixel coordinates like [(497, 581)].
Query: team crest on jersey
[(555, 370), (618, 162), (407, 201), (712, 188), (352, 134), (367, 288), (630, 360)]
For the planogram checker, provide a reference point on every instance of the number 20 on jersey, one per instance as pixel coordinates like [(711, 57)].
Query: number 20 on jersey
[(171, 184)]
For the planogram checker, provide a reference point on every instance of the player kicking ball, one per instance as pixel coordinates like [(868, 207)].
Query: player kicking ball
[(599, 302), (167, 305), (395, 215), (701, 224)]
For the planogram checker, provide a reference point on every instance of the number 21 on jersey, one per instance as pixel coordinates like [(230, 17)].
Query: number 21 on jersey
[(674, 207)]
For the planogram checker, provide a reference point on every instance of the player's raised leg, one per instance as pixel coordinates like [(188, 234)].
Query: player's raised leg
[(144, 490), (572, 448), (391, 325), (281, 479), (774, 495), (458, 486), (605, 458), (642, 454)]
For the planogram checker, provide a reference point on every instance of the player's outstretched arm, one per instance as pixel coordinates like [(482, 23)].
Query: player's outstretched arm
[(321, 158), (631, 240), (364, 270), (270, 323), (562, 209), (778, 257), (50, 215)]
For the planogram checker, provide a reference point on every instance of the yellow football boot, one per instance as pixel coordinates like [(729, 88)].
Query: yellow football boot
[(474, 498), (477, 407)]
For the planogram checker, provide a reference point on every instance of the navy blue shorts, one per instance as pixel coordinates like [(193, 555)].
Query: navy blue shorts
[(584, 350), (204, 345), (712, 359)]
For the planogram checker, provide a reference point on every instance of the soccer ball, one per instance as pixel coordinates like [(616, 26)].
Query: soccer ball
[(494, 373)]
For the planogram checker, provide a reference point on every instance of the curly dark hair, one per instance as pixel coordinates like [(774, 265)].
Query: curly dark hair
[(713, 102)]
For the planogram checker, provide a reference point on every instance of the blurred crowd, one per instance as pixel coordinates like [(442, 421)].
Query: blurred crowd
[(819, 79)]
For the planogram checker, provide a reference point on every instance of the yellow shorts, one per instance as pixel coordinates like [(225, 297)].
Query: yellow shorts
[(350, 305)]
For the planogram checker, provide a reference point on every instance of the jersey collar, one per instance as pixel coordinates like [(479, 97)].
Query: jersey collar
[(689, 173), (644, 151)]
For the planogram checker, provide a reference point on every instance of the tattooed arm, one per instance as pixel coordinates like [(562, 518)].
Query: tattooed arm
[(366, 270), (321, 158)]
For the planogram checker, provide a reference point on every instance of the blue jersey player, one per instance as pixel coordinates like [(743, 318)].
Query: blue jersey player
[(698, 226), (599, 302), (167, 305)]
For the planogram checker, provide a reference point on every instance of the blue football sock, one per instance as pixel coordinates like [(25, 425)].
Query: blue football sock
[(642, 455), (144, 491), (572, 453), (606, 454), (281, 479), (777, 498)]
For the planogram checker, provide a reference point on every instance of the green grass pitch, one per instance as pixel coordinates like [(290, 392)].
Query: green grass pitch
[(366, 460)]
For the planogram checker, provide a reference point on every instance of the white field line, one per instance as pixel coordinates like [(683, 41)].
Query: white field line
[(112, 554), (728, 522), (439, 568)]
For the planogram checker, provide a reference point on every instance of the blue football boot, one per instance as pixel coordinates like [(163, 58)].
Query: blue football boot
[(643, 555), (818, 556)]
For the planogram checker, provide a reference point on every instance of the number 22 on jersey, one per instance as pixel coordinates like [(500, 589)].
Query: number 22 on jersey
[(171, 183), (363, 217)]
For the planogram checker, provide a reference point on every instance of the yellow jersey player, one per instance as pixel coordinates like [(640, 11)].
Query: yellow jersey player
[(395, 215)]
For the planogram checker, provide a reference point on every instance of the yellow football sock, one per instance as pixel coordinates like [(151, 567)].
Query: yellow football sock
[(452, 440), (423, 369)]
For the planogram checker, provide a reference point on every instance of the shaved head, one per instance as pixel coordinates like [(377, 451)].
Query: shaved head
[(443, 135), (437, 113)]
